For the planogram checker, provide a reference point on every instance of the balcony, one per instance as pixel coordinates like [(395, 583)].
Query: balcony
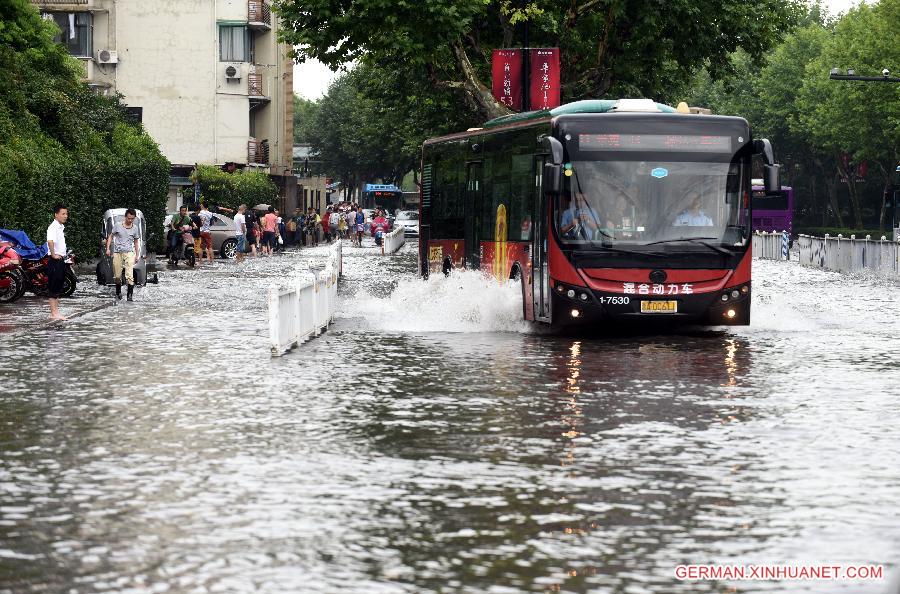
[(259, 15), (258, 152), (256, 90)]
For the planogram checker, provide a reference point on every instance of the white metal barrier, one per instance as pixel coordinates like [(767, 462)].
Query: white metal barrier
[(304, 310), (771, 246), (851, 254), (393, 241)]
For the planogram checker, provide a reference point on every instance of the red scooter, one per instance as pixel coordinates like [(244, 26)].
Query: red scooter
[(12, 283)]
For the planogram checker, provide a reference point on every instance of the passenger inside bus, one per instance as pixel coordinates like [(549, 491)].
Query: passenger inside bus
[(693, 216), (618, 217)]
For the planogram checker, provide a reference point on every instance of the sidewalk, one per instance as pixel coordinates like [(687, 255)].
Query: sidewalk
[(32, 312)]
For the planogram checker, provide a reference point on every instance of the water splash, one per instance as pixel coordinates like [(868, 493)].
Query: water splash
[(465, 301)]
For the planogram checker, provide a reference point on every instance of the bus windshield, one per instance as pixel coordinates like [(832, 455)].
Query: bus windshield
[(607, 202)]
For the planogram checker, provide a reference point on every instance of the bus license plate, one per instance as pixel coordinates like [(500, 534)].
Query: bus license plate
[(659, 307)]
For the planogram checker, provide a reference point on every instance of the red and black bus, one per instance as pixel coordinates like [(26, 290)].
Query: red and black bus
[(606, 211)]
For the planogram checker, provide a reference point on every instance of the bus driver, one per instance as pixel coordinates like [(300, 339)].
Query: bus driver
[(693, 216), (578, 221)]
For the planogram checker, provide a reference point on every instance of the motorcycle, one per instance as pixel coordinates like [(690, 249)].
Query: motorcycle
[(32, 268), (184, 248), (12, 284), (379, 226), (35, 273)]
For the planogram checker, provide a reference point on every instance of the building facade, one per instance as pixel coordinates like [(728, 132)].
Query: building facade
[(207, 78)]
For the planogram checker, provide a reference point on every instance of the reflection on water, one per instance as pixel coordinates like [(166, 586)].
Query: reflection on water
[(159, 448)]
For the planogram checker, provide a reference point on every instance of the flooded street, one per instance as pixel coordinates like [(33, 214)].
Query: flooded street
[(430, 441)]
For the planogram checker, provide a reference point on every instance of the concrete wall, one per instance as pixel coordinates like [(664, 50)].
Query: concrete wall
[(169, 66)]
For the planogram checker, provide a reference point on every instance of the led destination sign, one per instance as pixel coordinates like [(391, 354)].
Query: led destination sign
[(654, 142)]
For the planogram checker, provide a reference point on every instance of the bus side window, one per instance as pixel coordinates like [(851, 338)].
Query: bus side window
[(520, 197), (437, 201)]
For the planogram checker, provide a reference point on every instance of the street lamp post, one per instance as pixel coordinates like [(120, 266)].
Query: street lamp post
[(835, 74)]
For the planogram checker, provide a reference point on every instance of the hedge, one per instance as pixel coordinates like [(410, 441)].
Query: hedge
[(233, 189)]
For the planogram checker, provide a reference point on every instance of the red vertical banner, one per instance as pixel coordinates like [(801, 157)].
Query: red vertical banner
[(506, 66), (544, 89)]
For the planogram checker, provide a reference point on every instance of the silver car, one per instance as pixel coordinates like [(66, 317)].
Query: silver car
[(222, 229), (409, 220)]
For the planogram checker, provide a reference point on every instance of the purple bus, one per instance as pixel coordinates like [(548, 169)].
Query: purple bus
[(773, 212)]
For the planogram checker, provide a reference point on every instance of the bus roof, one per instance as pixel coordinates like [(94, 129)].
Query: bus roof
[(585, 106)]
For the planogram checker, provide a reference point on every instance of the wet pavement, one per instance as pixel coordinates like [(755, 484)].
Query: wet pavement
[(430, 441)]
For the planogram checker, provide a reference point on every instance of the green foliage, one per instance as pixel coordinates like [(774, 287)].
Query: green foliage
[(61, 143), (813, 120), (373, 120), (608, 47), (230, 190), (862, 119), (304, 115)]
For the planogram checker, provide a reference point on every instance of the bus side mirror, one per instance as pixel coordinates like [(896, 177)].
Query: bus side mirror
[(772, 178), (771, 170), (552, 178)]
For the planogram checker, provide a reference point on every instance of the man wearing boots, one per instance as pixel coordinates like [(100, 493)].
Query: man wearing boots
[(123, 245)]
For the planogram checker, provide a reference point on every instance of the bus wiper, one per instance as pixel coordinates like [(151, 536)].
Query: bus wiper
[(610, 248), (699, 240)]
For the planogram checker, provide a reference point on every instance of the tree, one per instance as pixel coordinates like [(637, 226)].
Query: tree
[(304, 115), (811, 120), (372, 122), (858, 118), (629, 48)]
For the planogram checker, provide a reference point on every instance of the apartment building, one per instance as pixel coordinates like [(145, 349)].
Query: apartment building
[(207, 78)]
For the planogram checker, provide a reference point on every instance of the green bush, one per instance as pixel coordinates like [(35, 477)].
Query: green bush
[(231, 190)]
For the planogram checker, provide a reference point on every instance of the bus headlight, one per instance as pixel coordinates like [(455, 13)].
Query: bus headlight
[(735, 294), (575, 313), (725, 297), (570, 293), (730, 314)]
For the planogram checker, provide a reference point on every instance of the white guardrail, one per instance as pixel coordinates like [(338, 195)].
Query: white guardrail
[(305, 310), (771, 246), (393, 241), (851, 254)]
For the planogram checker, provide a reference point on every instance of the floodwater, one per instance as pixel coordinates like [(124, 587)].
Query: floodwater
[(432, 442)]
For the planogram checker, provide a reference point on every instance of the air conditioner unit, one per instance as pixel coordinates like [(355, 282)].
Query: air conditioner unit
[(107, 57), (233, 72)]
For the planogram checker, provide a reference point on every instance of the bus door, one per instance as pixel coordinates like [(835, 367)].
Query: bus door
[(540, 272), (473, 215)]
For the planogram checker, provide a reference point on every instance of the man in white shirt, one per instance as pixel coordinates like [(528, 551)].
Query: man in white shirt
[(56, 266), (240, 232)]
